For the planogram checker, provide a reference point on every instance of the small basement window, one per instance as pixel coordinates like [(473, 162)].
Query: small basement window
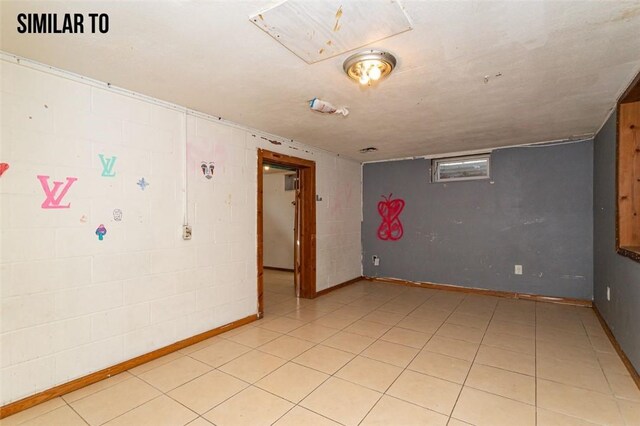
[(460, 168)]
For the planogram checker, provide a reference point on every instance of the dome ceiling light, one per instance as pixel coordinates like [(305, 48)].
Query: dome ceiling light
[(369, 66)]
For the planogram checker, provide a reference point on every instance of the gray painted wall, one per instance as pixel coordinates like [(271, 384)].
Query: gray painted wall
[(536, 211), (622, 274)]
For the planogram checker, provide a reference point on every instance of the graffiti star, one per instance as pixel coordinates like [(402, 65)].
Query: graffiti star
[(142, 184)]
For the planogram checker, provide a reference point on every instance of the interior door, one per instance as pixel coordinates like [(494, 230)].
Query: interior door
[(296, 235)]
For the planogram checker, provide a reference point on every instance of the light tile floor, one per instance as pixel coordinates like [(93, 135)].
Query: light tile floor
[(374, 354)]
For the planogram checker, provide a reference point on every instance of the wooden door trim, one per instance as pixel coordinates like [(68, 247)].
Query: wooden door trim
[(307, 172), (631, 95)]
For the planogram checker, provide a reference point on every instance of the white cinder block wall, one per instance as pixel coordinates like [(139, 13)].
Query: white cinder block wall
[(72, 304)]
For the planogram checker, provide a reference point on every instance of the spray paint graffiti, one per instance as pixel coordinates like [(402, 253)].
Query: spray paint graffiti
[(142, 184), (101, 231), (107, 165), (3, 168), (391, 228), (207, 169), (55, 195)]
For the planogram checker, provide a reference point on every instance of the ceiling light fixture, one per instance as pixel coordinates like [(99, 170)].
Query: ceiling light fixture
[(369, 66)]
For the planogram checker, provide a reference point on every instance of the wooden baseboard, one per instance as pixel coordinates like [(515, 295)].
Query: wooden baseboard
[(627, 362), (30, 401), (274, 268), (485, 292), (335, 287)]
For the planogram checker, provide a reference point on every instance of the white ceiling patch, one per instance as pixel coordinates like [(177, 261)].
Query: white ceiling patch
[(317, 30)]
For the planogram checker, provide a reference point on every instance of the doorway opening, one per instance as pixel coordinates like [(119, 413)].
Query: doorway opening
[(301, 181)]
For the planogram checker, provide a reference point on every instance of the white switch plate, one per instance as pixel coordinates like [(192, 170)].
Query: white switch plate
[(518, 270), (186, 232), (608, 293), (376, 260)]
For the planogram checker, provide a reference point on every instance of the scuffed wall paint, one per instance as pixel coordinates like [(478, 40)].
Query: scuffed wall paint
[(72, 304), (535, 211)]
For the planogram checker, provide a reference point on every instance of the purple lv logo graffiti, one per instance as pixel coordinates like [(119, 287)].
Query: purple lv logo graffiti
[(55, 195)]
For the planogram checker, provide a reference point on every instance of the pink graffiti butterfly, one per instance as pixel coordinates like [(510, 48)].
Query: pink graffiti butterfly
[(391, 227)]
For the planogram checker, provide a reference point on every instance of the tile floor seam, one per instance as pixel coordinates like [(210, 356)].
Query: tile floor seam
[(400, 344), (190, 380), (382, 394), (93, 393), (613, 394), (333, 374), (405, 369), (153, 399), (502, 368), (121, 414), (499, 395), (372, 407), (288, 400), (315, 412), (577, 386), (74, 410), (221, 402), (471, 366), (602, 370)]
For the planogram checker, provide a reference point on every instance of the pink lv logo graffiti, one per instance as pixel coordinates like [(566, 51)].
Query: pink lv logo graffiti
[(54, 195)]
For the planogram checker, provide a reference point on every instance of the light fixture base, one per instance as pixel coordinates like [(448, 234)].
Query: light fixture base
[(369, 66)]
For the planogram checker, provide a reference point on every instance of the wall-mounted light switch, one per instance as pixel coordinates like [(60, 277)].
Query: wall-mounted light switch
[(518, 270), (376, 260), (608, 294)]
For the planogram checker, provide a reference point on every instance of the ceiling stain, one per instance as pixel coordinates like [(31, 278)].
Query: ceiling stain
[(336, 27), (632, 13)]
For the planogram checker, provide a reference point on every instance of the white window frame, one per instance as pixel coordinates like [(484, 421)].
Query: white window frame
[(435, 169)]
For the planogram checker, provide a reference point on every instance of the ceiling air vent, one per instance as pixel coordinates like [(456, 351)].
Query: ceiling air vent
[(369, 149)]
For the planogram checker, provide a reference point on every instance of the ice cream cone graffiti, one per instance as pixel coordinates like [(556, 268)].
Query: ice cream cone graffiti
[(391, 228)]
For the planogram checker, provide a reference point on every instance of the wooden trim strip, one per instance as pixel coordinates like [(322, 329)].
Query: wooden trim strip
[(337, 286), (485, 292), (260, 235), (46, 395), (625, 360), (275, 268), (632, 92)]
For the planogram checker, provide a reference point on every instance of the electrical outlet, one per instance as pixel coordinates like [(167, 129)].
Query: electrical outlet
[(518, 270), (608, 294), (376, 260), (186, 232)]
